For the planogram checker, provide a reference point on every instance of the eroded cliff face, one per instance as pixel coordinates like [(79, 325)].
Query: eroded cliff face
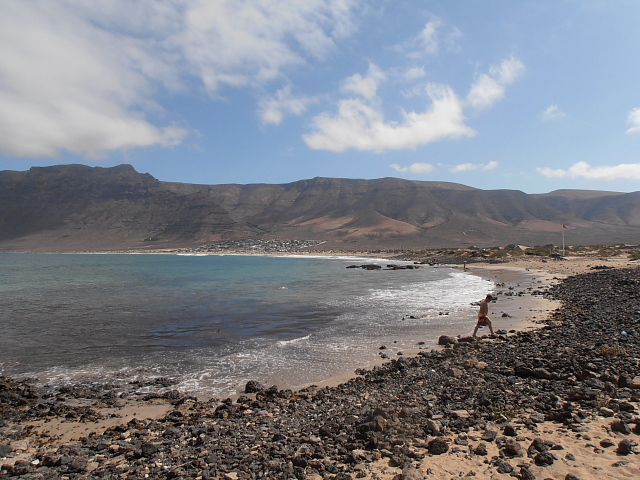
[(74, 207), (103, 208)]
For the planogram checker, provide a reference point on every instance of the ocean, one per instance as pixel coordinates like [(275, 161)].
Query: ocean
[(213, 322)]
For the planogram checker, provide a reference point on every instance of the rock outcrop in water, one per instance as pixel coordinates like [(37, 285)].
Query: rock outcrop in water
[(583, 364)]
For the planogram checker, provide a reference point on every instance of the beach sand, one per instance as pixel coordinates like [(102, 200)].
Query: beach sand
[(581, 454)]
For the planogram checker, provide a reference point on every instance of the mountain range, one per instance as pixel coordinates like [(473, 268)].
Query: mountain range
[(76, 207)]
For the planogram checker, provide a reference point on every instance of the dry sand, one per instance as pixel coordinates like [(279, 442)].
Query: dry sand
[(582, 455)]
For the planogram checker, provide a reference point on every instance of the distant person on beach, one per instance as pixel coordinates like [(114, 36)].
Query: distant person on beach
[(483, 316)]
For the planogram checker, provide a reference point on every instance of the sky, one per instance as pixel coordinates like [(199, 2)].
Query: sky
[(496, 94)]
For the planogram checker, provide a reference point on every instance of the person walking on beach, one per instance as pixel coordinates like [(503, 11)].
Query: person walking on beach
[(483, 316)]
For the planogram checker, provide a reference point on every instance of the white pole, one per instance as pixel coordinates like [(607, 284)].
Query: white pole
[(563, 239)]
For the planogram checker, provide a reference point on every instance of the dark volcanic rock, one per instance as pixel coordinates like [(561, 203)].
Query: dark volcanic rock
[(544, 459), (481, 450), (438, 446), (621, 427), (5, 450), (525, 474), (504, 467), (446, 340), (253, 387), (625, 447), (606, 443)]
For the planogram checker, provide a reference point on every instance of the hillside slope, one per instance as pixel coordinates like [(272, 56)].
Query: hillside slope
[(74, 207)]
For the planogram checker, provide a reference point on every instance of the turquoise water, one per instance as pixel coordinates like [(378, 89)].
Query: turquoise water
[(214, 322)]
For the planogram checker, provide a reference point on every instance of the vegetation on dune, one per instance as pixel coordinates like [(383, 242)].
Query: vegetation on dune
[(611, 350)]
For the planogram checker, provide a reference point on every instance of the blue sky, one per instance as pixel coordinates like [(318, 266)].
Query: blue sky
[(528, 95)]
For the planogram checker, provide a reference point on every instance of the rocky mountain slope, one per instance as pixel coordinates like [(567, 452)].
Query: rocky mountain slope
[(74, 207)]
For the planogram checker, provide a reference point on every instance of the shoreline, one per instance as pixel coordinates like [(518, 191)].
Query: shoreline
[(398, 336), (516, 310), (525, 312), (584, 454)]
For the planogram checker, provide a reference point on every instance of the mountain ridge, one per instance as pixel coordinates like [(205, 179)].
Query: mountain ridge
[(76, 207)]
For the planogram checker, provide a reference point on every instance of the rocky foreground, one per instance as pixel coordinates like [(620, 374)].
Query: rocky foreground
[(492, 408)]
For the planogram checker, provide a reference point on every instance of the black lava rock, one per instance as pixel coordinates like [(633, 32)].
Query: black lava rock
[(253, 386)]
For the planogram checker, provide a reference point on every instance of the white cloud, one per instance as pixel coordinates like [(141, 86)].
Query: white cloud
[(551, 173), (362, 127), (468, 167), (65, 84), (508, 71), (421, 168), (238, 43), (366, 86), (491, 165), (553, 112), (464, 167), (415, 168), (485, 92), (490, 88), (629, 171), (634, 119), (414, 73), (428, 37), (431, 38), (272, 110), (80, 76), (398, 168)]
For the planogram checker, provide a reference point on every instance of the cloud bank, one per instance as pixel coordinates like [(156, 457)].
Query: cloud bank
[(82, 76), (428, 168), (467, 167), (361, 125), (415, 168), (624, 171)]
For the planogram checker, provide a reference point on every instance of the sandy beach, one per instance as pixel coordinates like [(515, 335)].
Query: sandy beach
[(587, 447)]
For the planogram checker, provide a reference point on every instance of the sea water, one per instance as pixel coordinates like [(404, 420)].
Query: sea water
[(213, 322)]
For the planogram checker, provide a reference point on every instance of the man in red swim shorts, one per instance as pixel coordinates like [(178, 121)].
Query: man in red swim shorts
[(483, 316)]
